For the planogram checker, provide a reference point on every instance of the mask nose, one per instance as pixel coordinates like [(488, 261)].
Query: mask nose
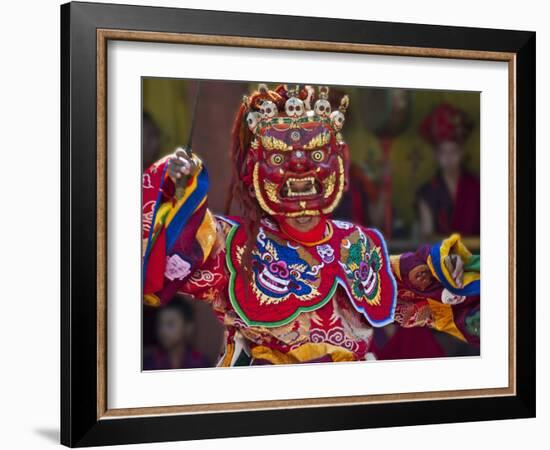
[(298, 161)]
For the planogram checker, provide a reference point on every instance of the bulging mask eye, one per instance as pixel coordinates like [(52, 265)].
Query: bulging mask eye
[(276, 159), (318, 155)]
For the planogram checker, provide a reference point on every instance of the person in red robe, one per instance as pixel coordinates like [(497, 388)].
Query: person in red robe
[(450, 201), (288, 282)]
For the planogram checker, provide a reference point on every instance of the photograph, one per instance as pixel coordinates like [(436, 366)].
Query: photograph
[(292, 223)]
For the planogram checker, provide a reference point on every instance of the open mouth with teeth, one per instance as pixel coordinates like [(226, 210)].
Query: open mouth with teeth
[(369, 283), (300, 188), (273, 282)]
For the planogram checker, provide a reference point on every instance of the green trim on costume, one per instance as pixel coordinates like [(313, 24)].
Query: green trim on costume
[(237, 307)]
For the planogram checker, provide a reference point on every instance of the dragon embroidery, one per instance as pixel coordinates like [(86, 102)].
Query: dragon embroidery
[(281, 270), (361, 261)]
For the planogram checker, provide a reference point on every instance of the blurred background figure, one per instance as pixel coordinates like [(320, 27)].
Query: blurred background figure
[(174, 328), (151, 140), (450, 201), (360, 203), (386, 114)]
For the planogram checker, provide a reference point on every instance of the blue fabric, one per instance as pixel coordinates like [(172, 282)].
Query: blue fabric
[(179, 221)]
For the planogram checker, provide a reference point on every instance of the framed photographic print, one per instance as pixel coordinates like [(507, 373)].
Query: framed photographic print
[(277, 224)]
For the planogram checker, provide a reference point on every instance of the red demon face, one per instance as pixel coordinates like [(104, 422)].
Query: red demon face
[(298, 171)]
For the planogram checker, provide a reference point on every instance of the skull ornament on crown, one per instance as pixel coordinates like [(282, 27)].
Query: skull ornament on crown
[(289, 152)]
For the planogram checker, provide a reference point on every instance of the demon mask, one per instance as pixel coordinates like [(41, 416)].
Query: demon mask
[(296, 163)]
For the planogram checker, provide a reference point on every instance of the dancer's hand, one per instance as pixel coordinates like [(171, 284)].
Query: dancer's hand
[(455, 265), (181, 165)]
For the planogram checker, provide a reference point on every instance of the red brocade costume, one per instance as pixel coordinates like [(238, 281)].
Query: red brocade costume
[(283, 296)]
